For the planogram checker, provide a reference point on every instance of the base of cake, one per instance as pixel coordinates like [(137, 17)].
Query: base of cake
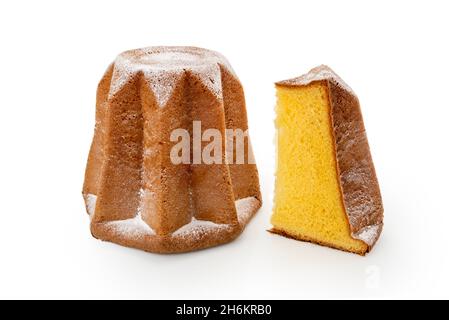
[(325, 244), (198, 234)]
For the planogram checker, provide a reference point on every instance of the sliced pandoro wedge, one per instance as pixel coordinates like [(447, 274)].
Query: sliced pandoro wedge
[(326, 189)]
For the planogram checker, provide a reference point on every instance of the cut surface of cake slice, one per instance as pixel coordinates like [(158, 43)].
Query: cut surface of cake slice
[(326, 189)]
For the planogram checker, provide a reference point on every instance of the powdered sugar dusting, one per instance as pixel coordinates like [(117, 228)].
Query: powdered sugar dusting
[(198, 227), (210, 76), (91, 201), (133, 227), (245, 208), (317, 74), (164, 66), (136, 227), (163, 59), (120, 76), (162, 84), (368, 234)]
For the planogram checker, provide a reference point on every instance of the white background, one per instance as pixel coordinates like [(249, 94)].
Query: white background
[(395, 55)]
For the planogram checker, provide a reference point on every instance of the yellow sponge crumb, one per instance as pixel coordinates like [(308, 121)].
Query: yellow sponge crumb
[(308, 201)]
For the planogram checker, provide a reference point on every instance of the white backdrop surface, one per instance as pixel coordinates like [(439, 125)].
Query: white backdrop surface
[(394, 54)]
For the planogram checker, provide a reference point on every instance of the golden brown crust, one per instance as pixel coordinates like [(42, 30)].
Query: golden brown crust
[(96, 152), (245, 177), (356, 174), (145, 95)]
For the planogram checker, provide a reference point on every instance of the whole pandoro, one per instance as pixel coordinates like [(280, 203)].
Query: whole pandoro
[(134, 193)]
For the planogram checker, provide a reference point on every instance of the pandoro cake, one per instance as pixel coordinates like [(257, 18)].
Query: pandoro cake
[(135, 194), (326, 190)]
